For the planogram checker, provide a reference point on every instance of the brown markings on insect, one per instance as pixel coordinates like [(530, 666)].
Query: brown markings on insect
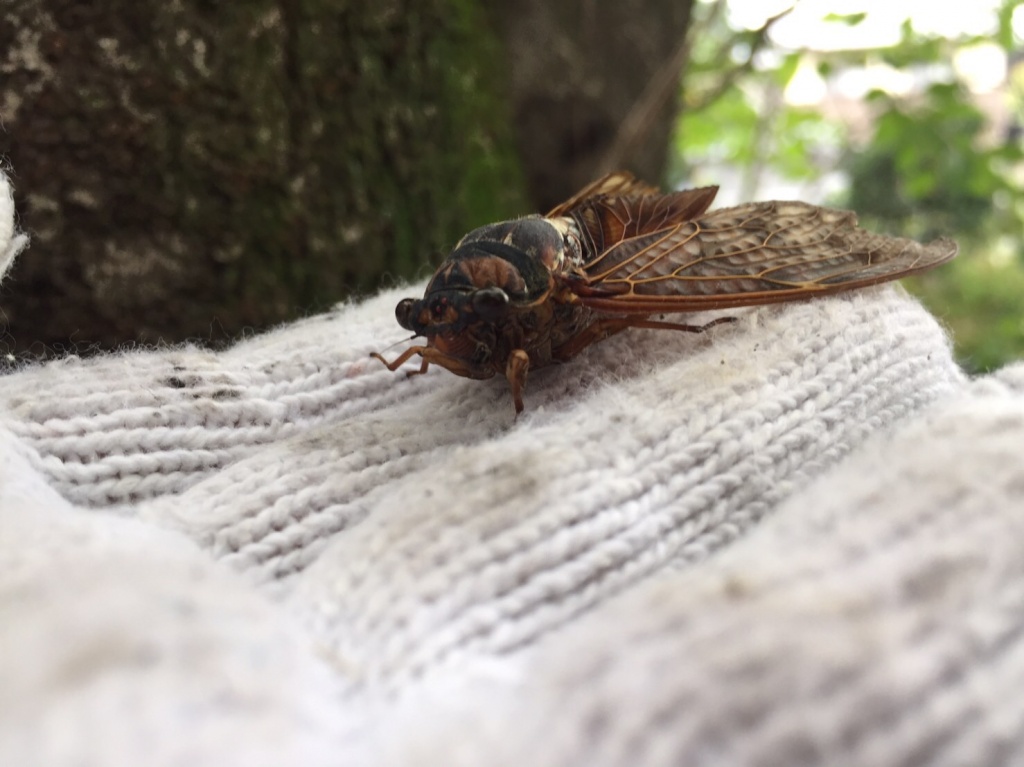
[(519, 295)]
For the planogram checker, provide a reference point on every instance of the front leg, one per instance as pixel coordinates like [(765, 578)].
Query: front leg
[(433, 356), (515, 371), (404, 357)]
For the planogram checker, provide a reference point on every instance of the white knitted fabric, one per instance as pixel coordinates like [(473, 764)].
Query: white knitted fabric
[(12, 242), (797, 539)]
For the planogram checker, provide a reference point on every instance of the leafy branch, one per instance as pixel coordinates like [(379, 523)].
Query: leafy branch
[(728, 76)]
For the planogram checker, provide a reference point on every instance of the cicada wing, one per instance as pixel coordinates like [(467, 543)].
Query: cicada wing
[(756, 253), (618, 184), (607, 221)]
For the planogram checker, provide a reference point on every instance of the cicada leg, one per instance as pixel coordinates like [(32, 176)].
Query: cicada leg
[(515, 371), (405, 357), (433, 356), (604, 327)]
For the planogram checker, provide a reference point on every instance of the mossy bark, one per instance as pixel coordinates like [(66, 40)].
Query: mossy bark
[(194, 169), (189, 168)]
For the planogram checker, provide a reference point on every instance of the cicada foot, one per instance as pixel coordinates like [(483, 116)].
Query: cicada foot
[(515, 371)]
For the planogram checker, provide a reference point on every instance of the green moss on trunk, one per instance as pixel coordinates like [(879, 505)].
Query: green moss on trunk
[(187, 163)]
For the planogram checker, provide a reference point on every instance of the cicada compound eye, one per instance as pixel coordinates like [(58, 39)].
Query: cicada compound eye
[(403, 313), (490, 304)]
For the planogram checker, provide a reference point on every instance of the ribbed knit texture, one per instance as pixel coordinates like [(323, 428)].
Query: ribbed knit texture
[(792, 540)]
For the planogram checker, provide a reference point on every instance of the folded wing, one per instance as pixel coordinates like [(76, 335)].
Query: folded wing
[(619, 184), (671, 256)]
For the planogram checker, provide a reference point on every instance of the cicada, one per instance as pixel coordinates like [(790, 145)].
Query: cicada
[(519, 295)]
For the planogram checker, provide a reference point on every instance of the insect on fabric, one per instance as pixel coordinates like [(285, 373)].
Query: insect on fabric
[(519, 295)]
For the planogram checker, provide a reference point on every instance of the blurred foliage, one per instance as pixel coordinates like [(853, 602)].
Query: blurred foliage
[(927, 161)]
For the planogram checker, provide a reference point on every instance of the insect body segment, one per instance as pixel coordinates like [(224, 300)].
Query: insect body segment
[(523, 294)]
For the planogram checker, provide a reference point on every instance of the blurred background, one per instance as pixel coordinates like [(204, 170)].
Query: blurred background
[(202, 170)]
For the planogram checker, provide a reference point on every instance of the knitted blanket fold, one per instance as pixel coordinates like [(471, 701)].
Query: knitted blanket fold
[(790, 540)]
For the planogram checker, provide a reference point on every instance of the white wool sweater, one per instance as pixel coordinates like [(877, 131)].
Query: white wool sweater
[(794, 540)]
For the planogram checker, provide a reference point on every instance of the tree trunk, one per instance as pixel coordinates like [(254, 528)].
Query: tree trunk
[(593, 87), (193, 169)]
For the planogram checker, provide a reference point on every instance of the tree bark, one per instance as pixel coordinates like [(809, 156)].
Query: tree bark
[(193, 169), (579, 70)]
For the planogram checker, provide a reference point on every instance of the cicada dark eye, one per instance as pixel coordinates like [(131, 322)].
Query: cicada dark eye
[(403, 313), (490, 303)]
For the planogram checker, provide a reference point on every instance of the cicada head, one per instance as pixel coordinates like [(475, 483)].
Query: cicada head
[(493, 274)]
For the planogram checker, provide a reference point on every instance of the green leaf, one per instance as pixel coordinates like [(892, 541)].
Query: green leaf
[(849, 19), (788, 67)]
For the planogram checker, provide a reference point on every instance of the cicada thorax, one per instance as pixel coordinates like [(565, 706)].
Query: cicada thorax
[(553, 243), (497, 293)]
